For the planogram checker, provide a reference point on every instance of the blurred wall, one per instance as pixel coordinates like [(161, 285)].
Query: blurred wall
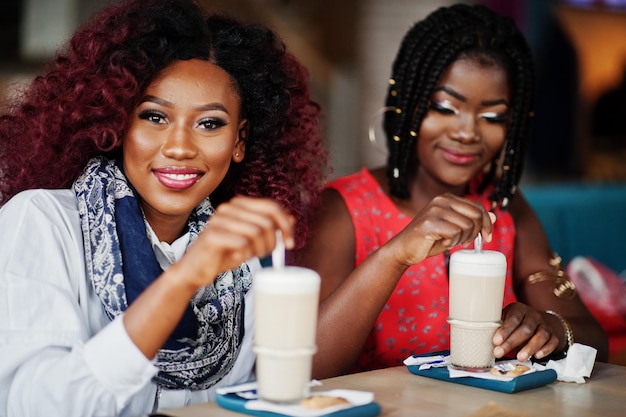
[(348, 47)]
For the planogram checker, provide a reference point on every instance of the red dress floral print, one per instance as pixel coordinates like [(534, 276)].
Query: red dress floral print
[(414, 318)]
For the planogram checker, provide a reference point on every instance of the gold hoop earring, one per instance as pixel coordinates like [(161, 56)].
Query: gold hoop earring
[(371, 131)]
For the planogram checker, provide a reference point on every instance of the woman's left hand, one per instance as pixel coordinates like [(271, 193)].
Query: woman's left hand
[(525, 328)]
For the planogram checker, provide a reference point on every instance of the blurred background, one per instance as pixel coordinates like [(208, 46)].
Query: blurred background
[(348, 46), (575, 178)]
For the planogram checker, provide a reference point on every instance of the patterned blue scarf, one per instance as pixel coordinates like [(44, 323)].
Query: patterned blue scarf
[(121, 264)]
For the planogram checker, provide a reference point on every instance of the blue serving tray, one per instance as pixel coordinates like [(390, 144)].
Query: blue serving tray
[(520, 383)]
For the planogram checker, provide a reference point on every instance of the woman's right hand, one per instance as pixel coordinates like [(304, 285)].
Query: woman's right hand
[(240, 229), (446, 221)]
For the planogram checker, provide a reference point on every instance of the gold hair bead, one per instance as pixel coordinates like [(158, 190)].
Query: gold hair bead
[(396, 173), (393, 93), (398, 110), (412, 133), (392, 81), (506, 168), (396, 138)]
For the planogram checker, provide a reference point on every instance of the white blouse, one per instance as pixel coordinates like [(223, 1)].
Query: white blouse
[(60, 355)]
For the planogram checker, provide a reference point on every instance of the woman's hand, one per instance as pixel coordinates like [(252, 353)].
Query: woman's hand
[(526, 328), (446, 221), (241, 228)]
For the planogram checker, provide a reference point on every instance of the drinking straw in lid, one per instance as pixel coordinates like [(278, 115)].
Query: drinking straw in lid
[(278, 254), (478, 243)]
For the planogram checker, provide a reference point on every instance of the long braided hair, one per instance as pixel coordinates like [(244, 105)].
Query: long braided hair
[(427, 50)]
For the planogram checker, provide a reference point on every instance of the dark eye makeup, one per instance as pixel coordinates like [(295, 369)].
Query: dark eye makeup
[(152, 116)]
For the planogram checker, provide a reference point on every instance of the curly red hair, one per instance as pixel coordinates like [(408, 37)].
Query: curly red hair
[(80, 106)]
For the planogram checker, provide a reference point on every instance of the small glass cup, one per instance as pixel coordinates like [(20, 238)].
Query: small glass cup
[(471, 345), (283, 376)]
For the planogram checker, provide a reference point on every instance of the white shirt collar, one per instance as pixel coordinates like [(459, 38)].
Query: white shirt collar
[(167, 254)]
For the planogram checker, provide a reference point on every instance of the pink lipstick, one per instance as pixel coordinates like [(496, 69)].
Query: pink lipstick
[(177, 178)]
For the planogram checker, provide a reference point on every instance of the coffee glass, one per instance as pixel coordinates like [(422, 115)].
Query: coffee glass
[(285, 310), (477, 279)]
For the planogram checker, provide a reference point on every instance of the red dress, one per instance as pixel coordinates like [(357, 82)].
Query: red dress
[(414, 318)]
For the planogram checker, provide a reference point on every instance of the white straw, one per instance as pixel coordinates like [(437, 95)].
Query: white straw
[(478, 243), (278, 254)]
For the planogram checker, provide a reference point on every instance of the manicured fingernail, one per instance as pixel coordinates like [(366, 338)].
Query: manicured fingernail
[(492, 216), (498, 352)]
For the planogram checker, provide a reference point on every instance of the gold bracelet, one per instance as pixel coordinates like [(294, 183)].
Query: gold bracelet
[(569, 334), (556, 262), (563, 285)]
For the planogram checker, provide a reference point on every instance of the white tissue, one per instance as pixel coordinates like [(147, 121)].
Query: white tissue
[(576, 366), (426, 362)]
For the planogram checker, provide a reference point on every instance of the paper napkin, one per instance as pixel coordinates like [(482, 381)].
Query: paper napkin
[(576, 366)]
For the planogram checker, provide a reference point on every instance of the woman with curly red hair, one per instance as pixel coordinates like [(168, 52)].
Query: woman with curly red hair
[(141, 178)]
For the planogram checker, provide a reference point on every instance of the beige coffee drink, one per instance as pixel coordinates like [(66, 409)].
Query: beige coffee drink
[(285, 310), (286, 317), (477, 281)]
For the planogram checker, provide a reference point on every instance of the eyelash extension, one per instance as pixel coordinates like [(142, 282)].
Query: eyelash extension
[(496, 118), (212, 123), (147, 114), (441, 109)]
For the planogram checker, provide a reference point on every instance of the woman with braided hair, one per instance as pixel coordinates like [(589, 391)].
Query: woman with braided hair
[(457, 118), (142, 176)]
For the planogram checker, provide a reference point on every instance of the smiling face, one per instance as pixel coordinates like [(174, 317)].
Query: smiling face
[(465, 126), (181, 140)]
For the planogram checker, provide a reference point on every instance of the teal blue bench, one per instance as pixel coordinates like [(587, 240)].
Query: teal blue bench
[(583, 220)]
